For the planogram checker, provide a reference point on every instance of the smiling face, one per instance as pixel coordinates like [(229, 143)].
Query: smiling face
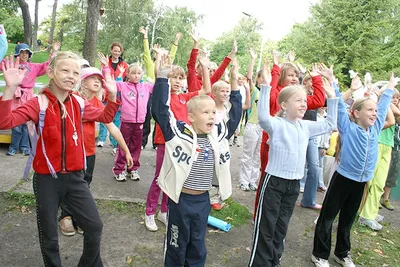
[(221, 92), (65, 74), (24, 56), (202, 114), (293, 100), (364, 112), (291, 78), (115, 52)]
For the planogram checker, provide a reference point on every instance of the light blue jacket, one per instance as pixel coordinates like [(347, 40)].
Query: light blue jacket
[(358, 147), (288, 140), (3, 42)]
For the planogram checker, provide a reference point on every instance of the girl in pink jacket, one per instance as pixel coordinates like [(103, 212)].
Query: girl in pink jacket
[(134, 98), (24, 92)]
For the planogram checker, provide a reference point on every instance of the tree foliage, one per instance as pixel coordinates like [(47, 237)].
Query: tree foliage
[(13, 24), (360, 35)]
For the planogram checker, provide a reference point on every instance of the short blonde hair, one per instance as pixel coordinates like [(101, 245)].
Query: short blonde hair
[(287, 93), (218, 86), (135, 65), (195, 102), (213, 66)]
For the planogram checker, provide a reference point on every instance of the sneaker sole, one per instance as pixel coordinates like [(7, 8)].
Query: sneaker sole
[(152, 229), (338, 260), (124, 180), (68, 234), (364, 224)]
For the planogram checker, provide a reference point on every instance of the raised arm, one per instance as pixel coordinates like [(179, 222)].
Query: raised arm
[(174, 47), (191, 65), (384, 103), (317, 99), (235, 113), (148, 62), (206, 88), (390, 120), (225, 63), (276, 70)]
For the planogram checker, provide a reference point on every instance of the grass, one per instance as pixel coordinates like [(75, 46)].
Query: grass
[(233, 212)]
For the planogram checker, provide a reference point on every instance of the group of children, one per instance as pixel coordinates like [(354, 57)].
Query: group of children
[(192, 135)]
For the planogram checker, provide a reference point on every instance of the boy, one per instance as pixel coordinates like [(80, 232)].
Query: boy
[(193, 155)]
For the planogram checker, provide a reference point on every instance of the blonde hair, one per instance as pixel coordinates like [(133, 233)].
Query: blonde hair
[(358, 104), (83, 92), (284, 71), (194, 103), (53, 64), (218, 86), (213, 66), (135, 65), (176, 71), (287, 93), (396, 93)]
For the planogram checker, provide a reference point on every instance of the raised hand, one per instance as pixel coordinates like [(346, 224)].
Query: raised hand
[(157, 49), (355, 83), (56, 46), (314, 70), (143, 30), (165, 66), (276, 57), (203, 59), (195, 35), (301, 68), (326, 72), (253, 54), (110, 83), (292, 56), (266, 76), (178, 36), (121, 69), (102, 58), (13, 74), (392, 81)]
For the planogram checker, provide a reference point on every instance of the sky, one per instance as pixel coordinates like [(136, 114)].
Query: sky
[(221, 16)]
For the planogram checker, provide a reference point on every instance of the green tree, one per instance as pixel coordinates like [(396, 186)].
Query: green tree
[(13, 24)]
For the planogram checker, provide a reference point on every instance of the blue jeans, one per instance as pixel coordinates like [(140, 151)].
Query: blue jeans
[(103, 129), (19, 139), (313, 170)]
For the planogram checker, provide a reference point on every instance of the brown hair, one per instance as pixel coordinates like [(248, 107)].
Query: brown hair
[(176, 71), (284, 71), (117, 44), (287, 93)]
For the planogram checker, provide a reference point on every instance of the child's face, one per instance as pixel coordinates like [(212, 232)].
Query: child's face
[(199, 70), (115, 52), (395, 99), (240, 81), (203, 118), (24, 56), (176, 82), (292, 78), (296, 105), (366, 117), (212, 71), (222, 94), (135, 74), (65, 74), (307, 84), (92, 83)]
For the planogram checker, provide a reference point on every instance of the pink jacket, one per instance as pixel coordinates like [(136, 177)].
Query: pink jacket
[(134, 98)]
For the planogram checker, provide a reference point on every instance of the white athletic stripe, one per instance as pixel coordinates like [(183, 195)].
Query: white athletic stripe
[(258, 218), (166, 234)]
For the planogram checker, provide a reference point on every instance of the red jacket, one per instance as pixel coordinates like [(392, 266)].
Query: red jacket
[(194, 81), (57, 133), (116, 72)]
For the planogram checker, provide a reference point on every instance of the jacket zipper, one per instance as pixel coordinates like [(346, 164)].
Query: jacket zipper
[(366, 160), (63, 129), (137, 103)]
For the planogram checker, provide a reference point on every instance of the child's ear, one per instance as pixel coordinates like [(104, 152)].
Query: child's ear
[(283, 106), (50, 73), (356, 114), (191, 117)]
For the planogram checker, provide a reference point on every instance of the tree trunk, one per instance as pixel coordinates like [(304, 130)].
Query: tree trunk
[(92, 21), (35, 26), (27, 21), (53, 25)]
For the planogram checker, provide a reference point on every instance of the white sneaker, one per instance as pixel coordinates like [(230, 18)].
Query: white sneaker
[(253, 187), (319, 262), (372, 224), (134, 175), (244, 187), (346, 262), (120, 177), (379, 218), (150, 223), (162, 217), (100, 144), (114, 151)]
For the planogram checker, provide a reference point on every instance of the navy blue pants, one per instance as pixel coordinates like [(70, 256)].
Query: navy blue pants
[(187, 225)]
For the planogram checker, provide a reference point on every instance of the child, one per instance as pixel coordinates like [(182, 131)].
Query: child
[(134, 98), (358, 154), (178, 107), (288, 141), (92, 82), (24, 92), (59, 159), (323, 145), (394, 169), (193, 155)]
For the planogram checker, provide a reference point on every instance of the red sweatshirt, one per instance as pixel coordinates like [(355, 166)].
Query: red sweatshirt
[(57, 133), (194, 81)]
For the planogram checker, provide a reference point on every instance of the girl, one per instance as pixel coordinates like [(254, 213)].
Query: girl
[(91, 89), (134, 98), (24, 92), (357, 158), (59, 159), (288, 141)]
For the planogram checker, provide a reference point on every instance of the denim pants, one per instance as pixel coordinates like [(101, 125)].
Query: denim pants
[(71, 189), (103, 129), (312, 177), (19, 139)]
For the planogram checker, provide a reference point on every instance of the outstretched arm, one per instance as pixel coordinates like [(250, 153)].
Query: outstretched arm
[(225, 63), (174, 47), (191, 65), (148, 62), (206, 88), (235, 113)]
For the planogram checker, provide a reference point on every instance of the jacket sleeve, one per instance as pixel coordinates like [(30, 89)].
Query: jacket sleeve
[(192, 80), (266, 121), (383, 106), (273, 101), (317, 100), (148, 62), (10, 119), (160, 110), (235, 113), (172, 52), (329, 124), (3, 45), (343, 120), (220, 71), (106, 115)]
